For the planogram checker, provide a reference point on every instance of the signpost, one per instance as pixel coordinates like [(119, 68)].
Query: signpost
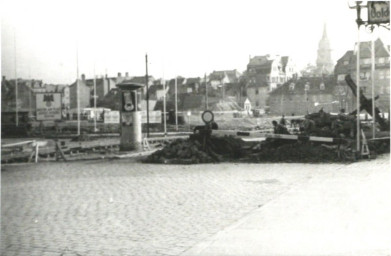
[(48, 106), (378, 12)]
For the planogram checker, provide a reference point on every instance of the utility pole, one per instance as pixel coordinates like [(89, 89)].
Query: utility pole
[(16, 84), (176, 103), (373, 87), (358, 89), (95, 112), (77, 89), (206, 93), (146, 84), (164, 109)]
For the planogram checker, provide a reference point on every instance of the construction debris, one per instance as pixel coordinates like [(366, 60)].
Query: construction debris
[(199, 149)]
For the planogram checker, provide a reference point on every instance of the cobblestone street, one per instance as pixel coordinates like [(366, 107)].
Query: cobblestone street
[(121, 207)]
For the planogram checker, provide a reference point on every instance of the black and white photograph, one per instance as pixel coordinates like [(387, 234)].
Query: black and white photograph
[(195, 128)]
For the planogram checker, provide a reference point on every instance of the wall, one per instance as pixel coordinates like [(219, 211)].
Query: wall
[(258, 100)]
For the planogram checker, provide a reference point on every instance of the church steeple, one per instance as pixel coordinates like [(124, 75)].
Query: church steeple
[(324, 32), (324, 63)]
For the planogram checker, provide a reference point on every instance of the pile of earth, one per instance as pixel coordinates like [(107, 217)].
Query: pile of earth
[(199, 149), (210, 149), (301, 152)]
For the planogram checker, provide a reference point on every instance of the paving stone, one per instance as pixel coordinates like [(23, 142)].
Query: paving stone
[(121, 207)]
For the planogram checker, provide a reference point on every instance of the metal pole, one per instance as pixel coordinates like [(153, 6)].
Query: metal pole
[(189, 122), (358, 92), (146, 84), (94, 100), (176, 103), (373, 87), (16, 84), (306, 100), (164, 109), (77, 89), (206, 93)]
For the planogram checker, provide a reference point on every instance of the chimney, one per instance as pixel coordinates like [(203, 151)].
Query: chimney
[(119, 74), (83, 77), (126, 74), (3, 79)]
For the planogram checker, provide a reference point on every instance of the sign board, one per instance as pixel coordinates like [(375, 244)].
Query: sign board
[(48, 106), (111, 117), (378, 12), (155, 117)]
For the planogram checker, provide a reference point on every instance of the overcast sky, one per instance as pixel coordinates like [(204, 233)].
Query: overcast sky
[(182, 37)]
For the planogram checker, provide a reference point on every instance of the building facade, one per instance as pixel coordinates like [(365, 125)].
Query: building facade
[(304, 95), (265, 74), (347, 64)]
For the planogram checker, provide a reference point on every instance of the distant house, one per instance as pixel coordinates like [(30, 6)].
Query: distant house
[(79, 90), (25, 100), (220, 78), (141, 80), (266, 73), (305, 95), (347, 65)]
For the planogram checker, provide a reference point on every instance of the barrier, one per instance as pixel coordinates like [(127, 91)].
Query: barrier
[(18, 149)]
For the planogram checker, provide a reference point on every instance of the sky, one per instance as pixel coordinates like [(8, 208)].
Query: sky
[(46, 39)]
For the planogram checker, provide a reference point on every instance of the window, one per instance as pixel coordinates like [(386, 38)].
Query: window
[(381, 74), (256, 91), (381, 60), (346, 62), (364, 75), (322, 86), (291, 86), (366, 61), (307, 86), (388, 74)]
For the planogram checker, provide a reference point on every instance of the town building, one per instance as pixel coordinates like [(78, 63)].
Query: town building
[(347, 64), (304, 95), (265, 74)]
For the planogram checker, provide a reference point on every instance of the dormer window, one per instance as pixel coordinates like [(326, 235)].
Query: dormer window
[(346, 62), (291, 86), (322, 86)]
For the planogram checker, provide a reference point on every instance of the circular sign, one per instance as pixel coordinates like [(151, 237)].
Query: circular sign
[(207, 116)]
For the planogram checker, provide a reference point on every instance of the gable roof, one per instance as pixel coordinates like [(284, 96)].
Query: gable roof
[(232, 75), (365, 49)]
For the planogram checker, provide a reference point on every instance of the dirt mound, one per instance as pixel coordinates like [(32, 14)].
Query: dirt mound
[(198, 149)]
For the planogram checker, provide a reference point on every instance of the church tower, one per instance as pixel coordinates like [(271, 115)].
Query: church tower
[(324, 64)]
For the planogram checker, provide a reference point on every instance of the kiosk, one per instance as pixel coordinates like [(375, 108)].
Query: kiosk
[(130, 116)]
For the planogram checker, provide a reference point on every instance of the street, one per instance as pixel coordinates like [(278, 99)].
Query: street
[(122, 207)]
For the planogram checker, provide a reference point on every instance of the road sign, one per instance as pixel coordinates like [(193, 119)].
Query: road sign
[(48, 106), (378, 12)]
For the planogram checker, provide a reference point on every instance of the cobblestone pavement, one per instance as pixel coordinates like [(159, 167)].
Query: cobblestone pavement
[(121, 207)]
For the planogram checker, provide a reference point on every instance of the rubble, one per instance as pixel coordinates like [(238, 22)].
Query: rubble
[(199, 149), (301, 152)]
